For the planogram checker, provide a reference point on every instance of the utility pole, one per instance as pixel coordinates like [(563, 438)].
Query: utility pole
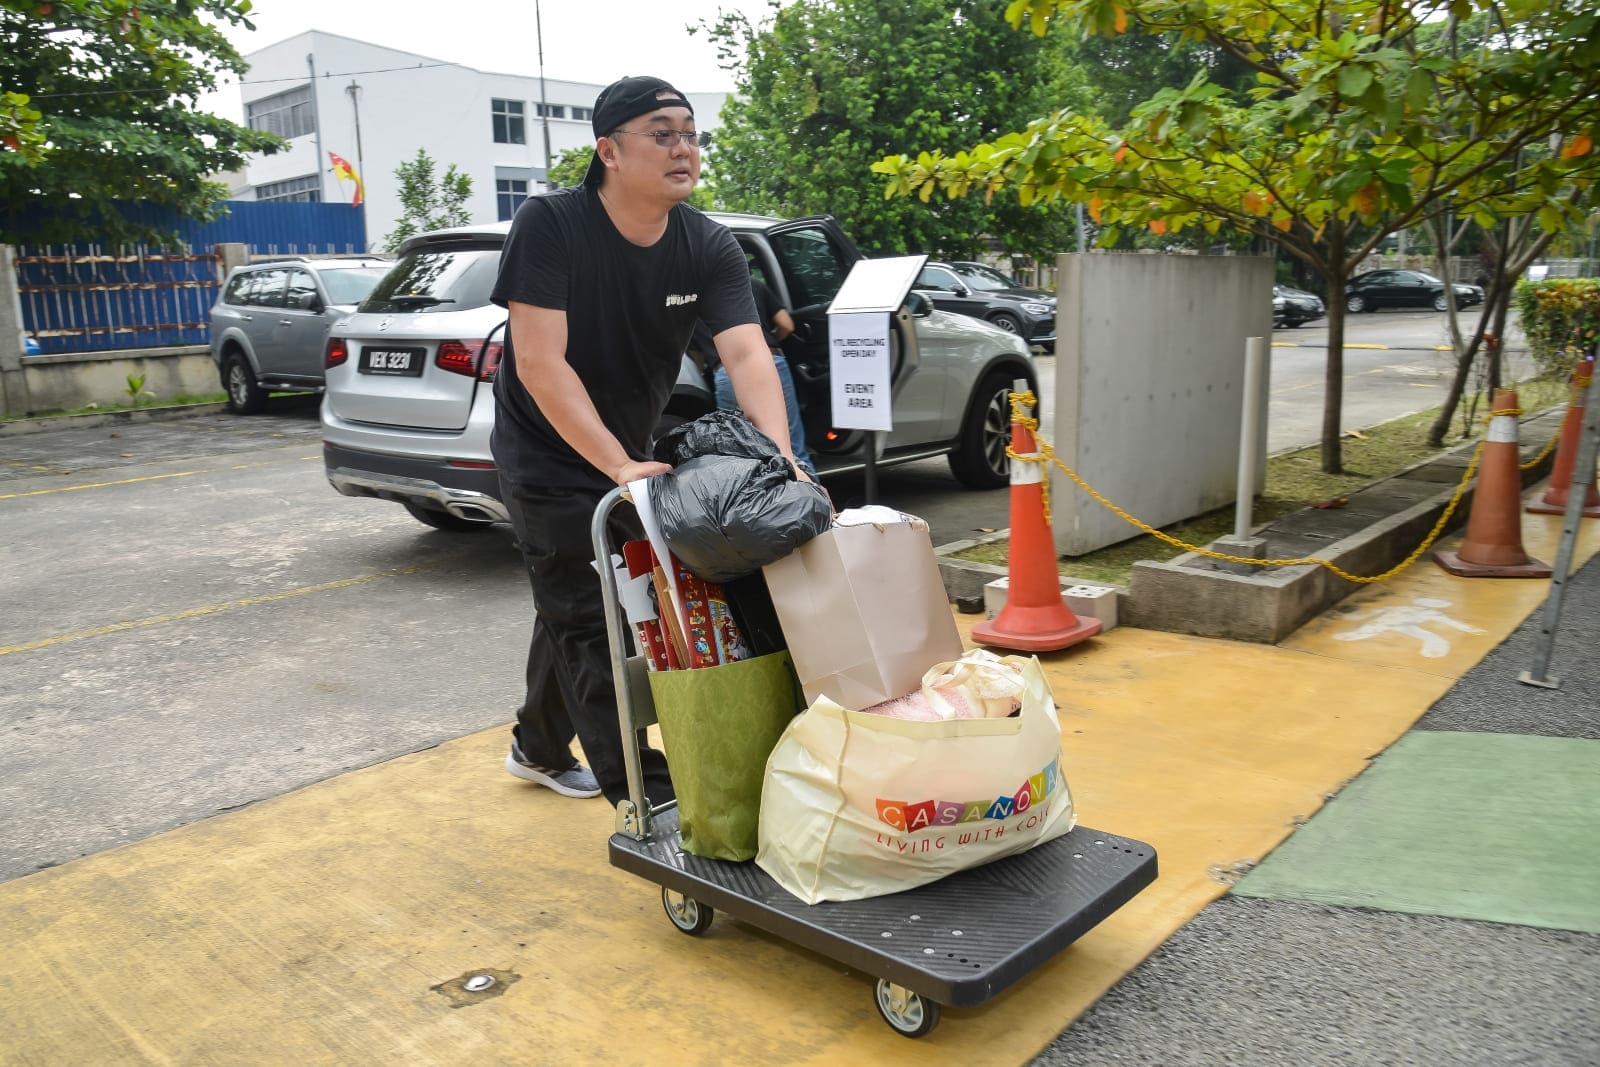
[(361, 165), (316, 126), (544, 103)]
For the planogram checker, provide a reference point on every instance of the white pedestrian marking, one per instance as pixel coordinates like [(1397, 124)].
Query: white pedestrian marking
[(1409, 621)]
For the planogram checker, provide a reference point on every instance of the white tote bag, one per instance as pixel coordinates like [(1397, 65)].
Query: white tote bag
[(857, 805)]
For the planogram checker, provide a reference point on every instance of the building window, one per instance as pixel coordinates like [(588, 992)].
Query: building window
[(551, 111), (306, 189), (287, 114), (584, 113), (510, 127), (509, 193), (511, 187)]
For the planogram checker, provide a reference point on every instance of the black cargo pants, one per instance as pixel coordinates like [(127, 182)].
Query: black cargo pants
[(570, 685)]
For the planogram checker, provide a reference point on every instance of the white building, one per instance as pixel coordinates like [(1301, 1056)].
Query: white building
[(375, 106)]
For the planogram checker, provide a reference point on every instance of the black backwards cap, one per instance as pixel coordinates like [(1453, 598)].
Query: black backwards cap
[(625, 99)]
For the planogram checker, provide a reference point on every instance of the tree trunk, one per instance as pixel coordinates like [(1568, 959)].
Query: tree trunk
[(1513, 257), (1333, 377)]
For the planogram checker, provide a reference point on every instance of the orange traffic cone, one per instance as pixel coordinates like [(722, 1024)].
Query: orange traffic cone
[(1493, 545), (1035, 617), (1554, 501)]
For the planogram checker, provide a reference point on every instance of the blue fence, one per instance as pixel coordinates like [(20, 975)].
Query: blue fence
[(91, 298)]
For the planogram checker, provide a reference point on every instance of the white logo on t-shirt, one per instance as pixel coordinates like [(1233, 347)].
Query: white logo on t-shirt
[(676, 299)]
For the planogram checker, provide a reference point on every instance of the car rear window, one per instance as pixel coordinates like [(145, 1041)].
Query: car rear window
[(350, 285), (437, 279)]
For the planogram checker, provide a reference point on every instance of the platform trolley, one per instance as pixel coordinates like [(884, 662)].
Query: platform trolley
[(958, 941)]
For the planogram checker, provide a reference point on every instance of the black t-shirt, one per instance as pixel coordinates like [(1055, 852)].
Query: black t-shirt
[(768, 306), (630, 311)]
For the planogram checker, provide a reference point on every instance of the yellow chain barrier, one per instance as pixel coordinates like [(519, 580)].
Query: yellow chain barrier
[(1022, 403)]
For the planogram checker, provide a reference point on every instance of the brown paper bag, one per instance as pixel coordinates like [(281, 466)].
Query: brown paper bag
[(864, 612)]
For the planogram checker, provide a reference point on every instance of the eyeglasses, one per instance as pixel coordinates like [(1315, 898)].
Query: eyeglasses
[(672, 138)]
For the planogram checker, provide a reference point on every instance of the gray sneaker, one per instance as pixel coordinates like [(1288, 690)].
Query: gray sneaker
[(575, 781)]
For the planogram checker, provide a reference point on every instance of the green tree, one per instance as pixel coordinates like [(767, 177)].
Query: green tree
[(428, 201), (98, 108), (570, 166), (1351, 132), (825, 88)]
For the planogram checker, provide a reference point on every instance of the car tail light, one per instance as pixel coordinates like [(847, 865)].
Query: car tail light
[(461, 357), (337, 351)]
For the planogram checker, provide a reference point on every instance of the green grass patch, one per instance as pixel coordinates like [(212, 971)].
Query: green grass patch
[(1295, 480), (181, 401)]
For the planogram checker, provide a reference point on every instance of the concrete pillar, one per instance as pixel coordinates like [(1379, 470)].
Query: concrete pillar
[(229, 256), (13, 383)]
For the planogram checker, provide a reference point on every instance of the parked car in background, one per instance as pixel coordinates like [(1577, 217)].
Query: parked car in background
[(1292, 307), (271, 319), (1404, 288), (978, 290), (410, 405)]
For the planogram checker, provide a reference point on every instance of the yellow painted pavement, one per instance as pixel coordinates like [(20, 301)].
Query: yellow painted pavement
[(313, 928)]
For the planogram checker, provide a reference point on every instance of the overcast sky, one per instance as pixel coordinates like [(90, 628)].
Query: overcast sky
[(584, 40)]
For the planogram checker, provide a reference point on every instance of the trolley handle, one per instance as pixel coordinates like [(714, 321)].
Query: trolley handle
[(635, 710)]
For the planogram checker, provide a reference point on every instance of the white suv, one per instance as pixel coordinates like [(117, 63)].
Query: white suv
[(409, 402)]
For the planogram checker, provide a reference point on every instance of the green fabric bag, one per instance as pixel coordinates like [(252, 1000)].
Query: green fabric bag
[(718, 726)]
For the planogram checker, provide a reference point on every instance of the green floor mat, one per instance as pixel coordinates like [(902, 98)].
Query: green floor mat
[(1499, 827)]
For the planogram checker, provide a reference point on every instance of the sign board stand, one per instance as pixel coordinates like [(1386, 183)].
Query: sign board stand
[(859, 365)]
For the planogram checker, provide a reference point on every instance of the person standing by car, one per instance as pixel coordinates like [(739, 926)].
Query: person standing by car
[(604, 283), (776, 324)]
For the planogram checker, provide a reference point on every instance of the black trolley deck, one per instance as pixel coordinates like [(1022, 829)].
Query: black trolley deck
[(957, 941)]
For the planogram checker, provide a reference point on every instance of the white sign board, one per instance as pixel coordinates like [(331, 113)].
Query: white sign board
[(877, 284), (858, 367), (858, 340)]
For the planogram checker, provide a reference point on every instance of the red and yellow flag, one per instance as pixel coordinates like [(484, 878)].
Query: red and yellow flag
[(342, 170)]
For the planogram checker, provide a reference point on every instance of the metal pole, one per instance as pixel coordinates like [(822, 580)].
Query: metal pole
[(544, 103), (1255, 358), (361, 166), (1582, 478), (316, 129)]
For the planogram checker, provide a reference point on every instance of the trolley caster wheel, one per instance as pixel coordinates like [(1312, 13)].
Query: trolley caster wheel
[(686, 913), (908, 1014)]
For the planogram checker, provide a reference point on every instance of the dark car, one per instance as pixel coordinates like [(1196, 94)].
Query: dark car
[(1292, 307), (1404, 288), (982, 292)]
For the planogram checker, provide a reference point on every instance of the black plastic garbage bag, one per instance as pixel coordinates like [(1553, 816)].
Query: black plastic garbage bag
[(727, 516), (719, 433)]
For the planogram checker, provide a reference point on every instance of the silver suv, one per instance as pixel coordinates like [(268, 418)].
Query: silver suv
[(409, 402), (271, 319)]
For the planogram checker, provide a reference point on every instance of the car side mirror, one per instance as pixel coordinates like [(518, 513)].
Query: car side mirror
[(918, 304), (961, 290)]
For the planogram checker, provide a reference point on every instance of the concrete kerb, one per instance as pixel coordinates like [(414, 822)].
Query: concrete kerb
[(1192, 594), (92, 419)]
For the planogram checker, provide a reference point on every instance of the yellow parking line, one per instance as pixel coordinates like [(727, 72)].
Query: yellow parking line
[(1379, 348), (212, 609), (135, 481)]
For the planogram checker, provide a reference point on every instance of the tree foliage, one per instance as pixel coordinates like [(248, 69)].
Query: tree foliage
[(1352, 130), (826, 88), (570, 166), (98, 107), (428, 200)]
